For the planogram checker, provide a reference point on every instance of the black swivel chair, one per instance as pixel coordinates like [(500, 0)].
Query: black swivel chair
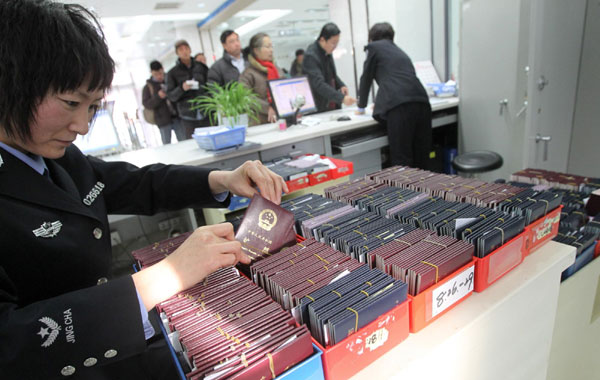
[(477, 161)]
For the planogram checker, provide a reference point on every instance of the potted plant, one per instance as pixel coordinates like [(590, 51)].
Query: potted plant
[(228, 103)]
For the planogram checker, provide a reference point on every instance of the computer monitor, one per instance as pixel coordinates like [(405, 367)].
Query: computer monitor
[(284, 93), (102, 138)]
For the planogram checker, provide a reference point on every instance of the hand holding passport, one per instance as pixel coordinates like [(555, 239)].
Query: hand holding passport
[(265, 229)]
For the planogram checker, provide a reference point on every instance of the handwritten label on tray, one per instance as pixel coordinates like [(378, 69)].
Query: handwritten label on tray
[(452, 291)]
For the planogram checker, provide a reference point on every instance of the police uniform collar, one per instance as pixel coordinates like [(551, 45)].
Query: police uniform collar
[(19, 181)]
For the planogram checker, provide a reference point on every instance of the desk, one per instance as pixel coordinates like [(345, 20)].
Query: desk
[(503, 333), (270, 138)]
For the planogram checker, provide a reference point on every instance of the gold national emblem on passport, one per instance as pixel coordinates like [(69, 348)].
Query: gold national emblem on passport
[(267, 219)]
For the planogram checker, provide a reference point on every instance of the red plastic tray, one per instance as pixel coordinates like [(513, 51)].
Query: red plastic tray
[(498, 263), (366, 345), (298, 183), (543, 229), (597, 250), (343, 168), (441, 297), (316, 178)]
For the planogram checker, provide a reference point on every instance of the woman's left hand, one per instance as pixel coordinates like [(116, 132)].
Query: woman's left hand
[(271, 115), (243, 180)]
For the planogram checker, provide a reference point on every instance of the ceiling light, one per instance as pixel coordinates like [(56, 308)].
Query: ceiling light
[(265, 17)]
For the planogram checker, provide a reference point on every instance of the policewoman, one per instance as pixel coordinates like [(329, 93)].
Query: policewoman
[(60, 315)]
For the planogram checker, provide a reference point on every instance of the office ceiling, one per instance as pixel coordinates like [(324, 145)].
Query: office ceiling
[(141, 29)]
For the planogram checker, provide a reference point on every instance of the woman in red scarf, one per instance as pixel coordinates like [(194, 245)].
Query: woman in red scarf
[(261, 69)]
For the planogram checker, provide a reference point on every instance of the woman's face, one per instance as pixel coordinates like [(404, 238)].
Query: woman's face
[(58, 119), (265, 52)]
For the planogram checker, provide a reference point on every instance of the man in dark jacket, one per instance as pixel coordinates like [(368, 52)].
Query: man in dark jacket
[(328, 89), (401, 104), (185, 81), (228, 68), (154, 98)]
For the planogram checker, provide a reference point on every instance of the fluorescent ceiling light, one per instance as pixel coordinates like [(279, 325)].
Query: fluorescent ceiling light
[(263, 18), (154, 18)]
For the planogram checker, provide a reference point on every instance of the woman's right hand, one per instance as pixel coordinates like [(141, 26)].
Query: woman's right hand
[(205, 251)]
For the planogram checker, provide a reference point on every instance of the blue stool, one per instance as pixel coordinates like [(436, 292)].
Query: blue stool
[(477, 161)]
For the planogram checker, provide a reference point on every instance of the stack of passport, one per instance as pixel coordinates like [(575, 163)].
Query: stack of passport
[(343, 227), (343, 307), (448, 187), (229, 328), (421, 258), (531, 204), (593, 226), (349, 191), (310, 206), (485, 228), (555, 179), (580, 239), (154, 253), (300, 270)]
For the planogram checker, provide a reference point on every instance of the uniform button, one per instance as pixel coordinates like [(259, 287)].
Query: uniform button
[(110, 354), (90, 362), (102, 280), (97, 233), (67, 370)]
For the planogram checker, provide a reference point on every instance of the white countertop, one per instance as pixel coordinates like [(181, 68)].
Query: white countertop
[(268, 135)]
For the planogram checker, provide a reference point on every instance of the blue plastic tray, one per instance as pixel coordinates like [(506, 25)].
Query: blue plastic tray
[(222, 139), (580, 261)]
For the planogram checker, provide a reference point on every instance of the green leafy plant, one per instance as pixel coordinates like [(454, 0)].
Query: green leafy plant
[(229, 101)]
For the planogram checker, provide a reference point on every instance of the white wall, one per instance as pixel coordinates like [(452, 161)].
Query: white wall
[(584, 154), (411, 20)]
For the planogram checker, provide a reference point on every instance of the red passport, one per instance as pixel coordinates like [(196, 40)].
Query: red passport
[(265, 229)]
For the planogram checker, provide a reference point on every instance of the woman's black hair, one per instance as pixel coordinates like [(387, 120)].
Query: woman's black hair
[(381, 31), (256, 42), (329, 30), (299, 52), (46, 47)]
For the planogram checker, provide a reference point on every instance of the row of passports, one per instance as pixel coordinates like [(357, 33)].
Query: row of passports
[(554, 179), (448, 187), (229, 328), (347, 295), (366, 224)]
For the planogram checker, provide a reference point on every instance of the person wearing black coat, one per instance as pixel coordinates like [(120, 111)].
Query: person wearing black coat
[(232, 64), (328, 90), (185, 81), (61, 313), (401, 103), (154, 98)]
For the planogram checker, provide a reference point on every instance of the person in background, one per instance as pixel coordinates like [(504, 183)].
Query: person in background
[(260, 70), (401, 103), (185, 81), (296, 69), (328, 89), (61, 315), (232, 64), (200, 57), (154, 97)]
